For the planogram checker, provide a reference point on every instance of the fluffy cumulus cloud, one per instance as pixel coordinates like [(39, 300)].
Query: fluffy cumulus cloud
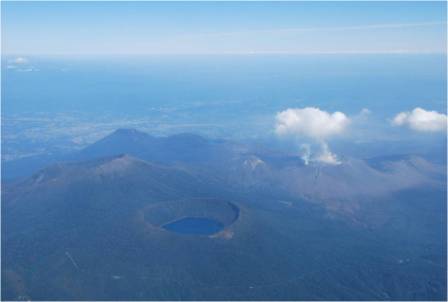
[(312, 123), (421, 120)]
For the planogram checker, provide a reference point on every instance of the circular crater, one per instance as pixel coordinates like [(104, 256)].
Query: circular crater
[(192, 216)]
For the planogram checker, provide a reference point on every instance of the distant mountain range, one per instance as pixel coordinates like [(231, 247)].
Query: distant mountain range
[(243, 168)]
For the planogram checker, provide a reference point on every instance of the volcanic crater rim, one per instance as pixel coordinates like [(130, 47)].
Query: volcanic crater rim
[(203, 216)]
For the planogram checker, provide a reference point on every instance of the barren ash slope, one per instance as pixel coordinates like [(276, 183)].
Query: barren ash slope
[(124, 219)]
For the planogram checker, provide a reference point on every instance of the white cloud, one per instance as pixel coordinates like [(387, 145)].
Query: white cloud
[(421, 120), (20, 64), (19, 61), (315, 124), (311, 122)]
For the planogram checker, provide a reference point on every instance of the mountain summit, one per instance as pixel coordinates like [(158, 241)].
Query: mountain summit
[(184, 147)]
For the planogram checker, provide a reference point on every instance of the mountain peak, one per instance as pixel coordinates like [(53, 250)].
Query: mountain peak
[(129, 132)]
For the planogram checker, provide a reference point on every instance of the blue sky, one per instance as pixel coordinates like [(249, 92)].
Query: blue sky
[(79, 28)]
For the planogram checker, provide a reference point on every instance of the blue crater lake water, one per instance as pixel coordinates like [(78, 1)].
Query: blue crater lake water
[(194, 225)]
